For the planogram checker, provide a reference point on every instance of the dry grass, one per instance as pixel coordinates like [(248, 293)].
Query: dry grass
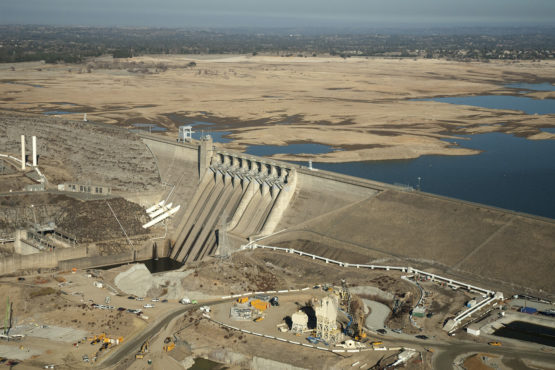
[(363, 105)]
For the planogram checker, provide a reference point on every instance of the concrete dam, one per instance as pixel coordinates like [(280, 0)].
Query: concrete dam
[(242, 195), (227, 197)]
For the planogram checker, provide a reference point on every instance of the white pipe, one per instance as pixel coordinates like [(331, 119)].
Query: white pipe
[(161, 217), (160, 211), (34, 151), (22, 152), (155, 207)]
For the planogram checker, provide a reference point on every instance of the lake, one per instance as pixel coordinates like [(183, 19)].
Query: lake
[(520, 103), (512, 173)]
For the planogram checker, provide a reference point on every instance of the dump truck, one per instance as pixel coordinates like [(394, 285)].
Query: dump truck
[(143, 350)]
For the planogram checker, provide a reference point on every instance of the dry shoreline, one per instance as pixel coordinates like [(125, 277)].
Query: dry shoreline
[(362, 106)]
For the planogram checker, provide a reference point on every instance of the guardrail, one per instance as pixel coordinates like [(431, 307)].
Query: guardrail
[(490, 295), (408, 269)]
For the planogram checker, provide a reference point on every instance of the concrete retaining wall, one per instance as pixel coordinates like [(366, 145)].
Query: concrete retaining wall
[(67, 258), (140, 254), (14, 263)]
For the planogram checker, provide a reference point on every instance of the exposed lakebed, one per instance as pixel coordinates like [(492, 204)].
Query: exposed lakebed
[(511, 172)]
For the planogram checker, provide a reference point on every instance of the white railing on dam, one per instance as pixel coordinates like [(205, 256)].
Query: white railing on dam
[(491, 296), (408, 269)]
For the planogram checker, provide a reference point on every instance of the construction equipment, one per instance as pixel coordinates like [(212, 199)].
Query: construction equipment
[(259, 318), (359, 328), (259, 305), (169, 345), (242, 300), (497, 344), (143, 350)]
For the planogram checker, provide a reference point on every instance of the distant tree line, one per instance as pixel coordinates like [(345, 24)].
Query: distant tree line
[(76, 44)]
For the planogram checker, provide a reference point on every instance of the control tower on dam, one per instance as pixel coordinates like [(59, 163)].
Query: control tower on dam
[(229, 197)]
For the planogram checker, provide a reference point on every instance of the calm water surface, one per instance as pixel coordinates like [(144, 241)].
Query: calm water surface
[(512, 173), (519, 103), (545, 86)]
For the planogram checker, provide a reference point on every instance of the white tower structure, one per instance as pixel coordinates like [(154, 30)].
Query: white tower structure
[(185, 134), (34, 151), (326, 319), (299, 322), (22, 152)]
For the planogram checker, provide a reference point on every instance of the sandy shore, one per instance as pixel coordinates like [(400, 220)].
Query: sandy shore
[(361, 106)]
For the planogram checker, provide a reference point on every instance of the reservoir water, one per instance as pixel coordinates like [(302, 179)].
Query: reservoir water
[(511, 172), (519, 103)]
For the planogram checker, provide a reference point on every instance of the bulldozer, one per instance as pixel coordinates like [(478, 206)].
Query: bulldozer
[(143, 350), (169, 347), (169, 344)]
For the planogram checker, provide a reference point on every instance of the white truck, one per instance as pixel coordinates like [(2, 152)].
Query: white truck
[(185, 300)]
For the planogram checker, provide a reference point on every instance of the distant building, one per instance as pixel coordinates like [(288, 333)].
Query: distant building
[(80, 188), (473, 329)]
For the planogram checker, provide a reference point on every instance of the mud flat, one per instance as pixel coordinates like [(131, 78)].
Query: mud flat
[(362, 106)]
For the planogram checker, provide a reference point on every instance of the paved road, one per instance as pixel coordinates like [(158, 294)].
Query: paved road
[(445, 359), (134, 344), (448, 350)]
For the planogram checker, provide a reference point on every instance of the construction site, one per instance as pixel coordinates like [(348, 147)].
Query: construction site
[(127, 249)]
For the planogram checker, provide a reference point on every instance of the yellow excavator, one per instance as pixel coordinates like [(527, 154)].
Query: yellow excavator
[(143, 350)]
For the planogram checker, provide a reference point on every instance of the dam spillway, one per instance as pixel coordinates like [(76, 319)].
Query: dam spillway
[(239, 194)]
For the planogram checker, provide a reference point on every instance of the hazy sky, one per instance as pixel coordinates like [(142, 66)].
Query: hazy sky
[(277, 13)]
